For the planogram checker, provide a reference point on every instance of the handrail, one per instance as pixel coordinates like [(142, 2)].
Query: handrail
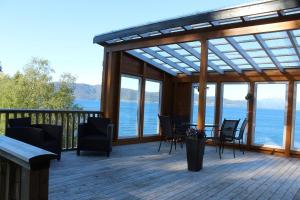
[(24, 170), (68, 119)]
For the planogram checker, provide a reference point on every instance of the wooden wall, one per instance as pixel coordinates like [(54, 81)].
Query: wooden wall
[(118, 63)]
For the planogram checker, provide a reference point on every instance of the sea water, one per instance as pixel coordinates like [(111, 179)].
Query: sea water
[(269, 123)]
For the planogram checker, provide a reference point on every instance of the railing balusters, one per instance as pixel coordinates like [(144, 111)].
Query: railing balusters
[(69, 120)]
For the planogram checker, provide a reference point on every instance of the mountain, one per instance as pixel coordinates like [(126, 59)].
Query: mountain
[(88, 92)]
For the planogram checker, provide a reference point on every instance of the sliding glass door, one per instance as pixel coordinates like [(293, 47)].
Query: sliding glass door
[(129, 106), (210, 103), (270, 114), (151, 107)]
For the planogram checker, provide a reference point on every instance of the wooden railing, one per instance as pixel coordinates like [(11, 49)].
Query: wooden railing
[(24, 170), (68, 119)]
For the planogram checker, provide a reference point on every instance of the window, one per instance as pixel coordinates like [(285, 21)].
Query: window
[(151, 107), (129, 106), (234, 102), (210, 103), (270, 114), (296, 130)]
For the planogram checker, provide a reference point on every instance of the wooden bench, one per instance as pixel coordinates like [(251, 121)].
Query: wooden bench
[(24, 170)]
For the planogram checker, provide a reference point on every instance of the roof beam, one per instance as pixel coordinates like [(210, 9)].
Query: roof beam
[(151, 62), (166, 60), (224, 58), (180, 57), (233, 12), (294, 43), (243, 53), (265, 47), (192, 51)]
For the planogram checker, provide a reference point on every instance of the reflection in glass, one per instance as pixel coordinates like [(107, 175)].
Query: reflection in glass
[(270, 114), (152, 107)]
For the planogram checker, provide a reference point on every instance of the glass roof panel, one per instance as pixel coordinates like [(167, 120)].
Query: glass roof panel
[(244, 38), (163, 53), (266, 66), (245, 66), (225, 48), (233, 55), (174, 59), (139, 51), (183, 65), (278, 43), (194, 44), (261, 16), (155, 48), (283, 51), (173, 46), (218, 41), (250, 45), (218, 62), (281, 34), (175, 70), (197, 63), (287, 58), (148, 55), (182, 52), (225, 67), (257, 53), (212, 56), (167, 66), (239, 61), (298, 40), (192, 58), (262, 60), (191, 69), (291, 64), (158, 61), (296, 32)]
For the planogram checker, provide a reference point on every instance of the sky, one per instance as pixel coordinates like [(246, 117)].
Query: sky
[(62, 31)]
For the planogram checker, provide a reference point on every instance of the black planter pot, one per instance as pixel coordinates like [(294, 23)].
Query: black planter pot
[(194, 152)]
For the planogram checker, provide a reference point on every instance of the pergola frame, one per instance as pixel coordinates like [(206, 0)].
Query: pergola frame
[(208, 71)]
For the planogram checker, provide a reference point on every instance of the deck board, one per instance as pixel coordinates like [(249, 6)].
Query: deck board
[(140, 172)]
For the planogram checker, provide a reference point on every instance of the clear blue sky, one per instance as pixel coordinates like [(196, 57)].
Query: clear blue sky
[(62, 30)]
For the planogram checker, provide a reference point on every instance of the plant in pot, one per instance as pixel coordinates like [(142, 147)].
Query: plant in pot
[(195, 146)]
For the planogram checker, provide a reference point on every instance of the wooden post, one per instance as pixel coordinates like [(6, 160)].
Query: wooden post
[(142, 104), (104, 81), (289, 117), (250, 113), (202, 84), (218, 105)]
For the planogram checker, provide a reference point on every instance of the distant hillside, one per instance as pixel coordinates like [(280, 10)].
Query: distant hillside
[(93, 92)]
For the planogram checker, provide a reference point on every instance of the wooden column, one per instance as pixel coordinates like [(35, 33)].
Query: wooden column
[(142, 103), (202, 84), (104, 97), (289, 117), (218, 105), (250, 113)]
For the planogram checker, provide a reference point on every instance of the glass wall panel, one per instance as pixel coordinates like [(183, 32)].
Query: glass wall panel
[(151, 107), (270, 114), (210, 103), (129, 106), (296, 135)]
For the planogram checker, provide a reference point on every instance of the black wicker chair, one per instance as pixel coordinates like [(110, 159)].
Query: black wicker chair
[(45, 136), (95, 135)]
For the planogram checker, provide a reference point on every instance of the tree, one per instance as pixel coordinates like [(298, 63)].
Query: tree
[(33, 88)]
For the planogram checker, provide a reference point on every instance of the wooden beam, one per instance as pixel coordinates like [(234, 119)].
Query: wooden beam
[(202, 84), (195, 53), (243, 53), (294, 43), (180, 57), (151, 62), (263, 26), (166, 60), (231, 64), (251, 114), (218, 106), (104, 80), (265, 47), (289, 117), (204, 17)]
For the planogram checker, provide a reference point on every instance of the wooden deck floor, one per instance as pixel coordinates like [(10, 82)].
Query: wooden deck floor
[(140, 172)]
